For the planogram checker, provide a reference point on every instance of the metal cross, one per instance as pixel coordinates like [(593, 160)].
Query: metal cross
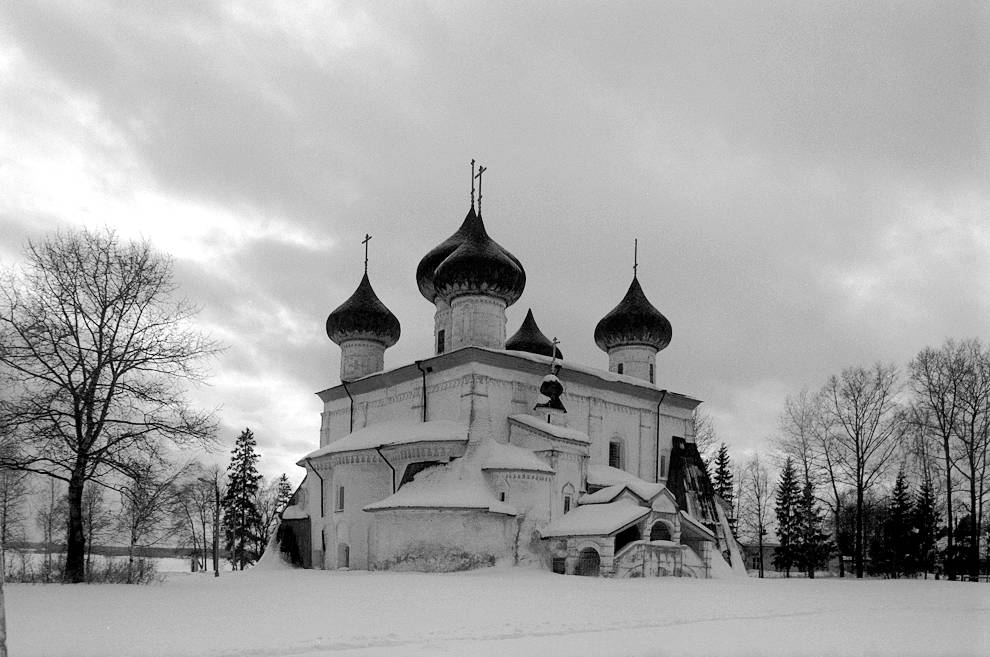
[(635, 256), (553, 354), (472, 183), (367, 238), (481, 170)]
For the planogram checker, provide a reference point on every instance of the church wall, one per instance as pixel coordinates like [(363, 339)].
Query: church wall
[(530, 494), (365, 479), (445, 540)]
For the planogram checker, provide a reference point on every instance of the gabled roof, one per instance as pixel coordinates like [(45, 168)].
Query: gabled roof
[(596, 519), (552, 430), (608, 494), (604, 475), (387, 434)]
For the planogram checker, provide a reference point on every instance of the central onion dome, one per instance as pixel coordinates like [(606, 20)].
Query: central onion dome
[(530, 338), (470, 262), (363, 317), (633, 322)]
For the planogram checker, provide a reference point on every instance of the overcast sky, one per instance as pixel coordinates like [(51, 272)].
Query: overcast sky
[(809, 182)]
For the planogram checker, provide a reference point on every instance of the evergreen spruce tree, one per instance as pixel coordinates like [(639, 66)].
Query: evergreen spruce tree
[(283, 494), (900, 521), (786, 510), (722, 482), (926, 521), (812, 546), (240, 514)]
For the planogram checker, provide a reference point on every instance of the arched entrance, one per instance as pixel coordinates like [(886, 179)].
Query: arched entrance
[(660, 532), (626, 536), (589, 563), (343, 556)]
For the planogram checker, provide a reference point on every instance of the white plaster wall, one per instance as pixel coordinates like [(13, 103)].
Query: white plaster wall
[(439, 540), (365, 480), (360, 358), (442, 322), (477, 320)]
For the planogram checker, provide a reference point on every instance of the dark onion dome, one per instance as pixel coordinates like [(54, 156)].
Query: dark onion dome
[(633, 322), (480, 266), (426, 270), (363, 317), (530, 338)]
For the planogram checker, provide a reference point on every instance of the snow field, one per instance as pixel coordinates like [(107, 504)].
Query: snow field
[(499, 611)]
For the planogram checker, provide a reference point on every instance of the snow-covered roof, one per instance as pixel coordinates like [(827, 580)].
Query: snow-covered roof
[(608, 494), (459, 484), (499, 456), (551, 429), (386, 434), (604, 475), (294, 513), (595, 519), (692, 523)]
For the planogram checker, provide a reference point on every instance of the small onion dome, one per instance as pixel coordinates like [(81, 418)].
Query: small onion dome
[(363, 317), (550, 391), (530, 338), (633, 322), (479, 266)]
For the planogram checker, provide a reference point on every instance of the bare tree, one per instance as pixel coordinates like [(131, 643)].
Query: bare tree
[(704, 431), (867, 426), (756, 492), (936, 378), (94, 350), (50, 516), (798, 437), (972, 431), (267, 503), (146, 503)]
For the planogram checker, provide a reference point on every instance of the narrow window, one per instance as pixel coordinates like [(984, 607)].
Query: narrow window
[(567, 503), (663, 465), (340, 498), (441, 336), (501, 496), (651, 372), (619, 368), (615, 454)]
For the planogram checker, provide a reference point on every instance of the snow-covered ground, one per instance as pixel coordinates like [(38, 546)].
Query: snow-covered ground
[(499, 611)]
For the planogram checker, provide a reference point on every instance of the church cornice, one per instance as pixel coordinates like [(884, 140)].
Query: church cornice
[(525, 363)]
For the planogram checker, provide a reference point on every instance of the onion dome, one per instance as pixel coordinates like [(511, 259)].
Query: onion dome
[(428, 265), (478, 265), (530, 338), (633, 322), (550, 391), (363, 317)]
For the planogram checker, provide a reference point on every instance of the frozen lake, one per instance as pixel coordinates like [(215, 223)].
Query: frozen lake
[(500, 611)]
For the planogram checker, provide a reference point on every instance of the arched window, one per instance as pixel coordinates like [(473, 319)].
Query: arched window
[(618, 369), (615, 454), (651, 372), (568, 494), (660, 532), (343, 556)]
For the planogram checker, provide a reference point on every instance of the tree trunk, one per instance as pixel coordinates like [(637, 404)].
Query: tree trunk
[(950, 569), (761, 551), (75, 556), (858, 557), (974, 533)]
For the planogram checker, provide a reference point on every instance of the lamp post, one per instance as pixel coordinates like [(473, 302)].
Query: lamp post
[(216, 521)]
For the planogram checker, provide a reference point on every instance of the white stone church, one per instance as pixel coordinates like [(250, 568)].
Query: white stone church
[(494, 450)]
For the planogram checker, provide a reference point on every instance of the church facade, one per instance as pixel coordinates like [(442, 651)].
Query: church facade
[(496, 449)]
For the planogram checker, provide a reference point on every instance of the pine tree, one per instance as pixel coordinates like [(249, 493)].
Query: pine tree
[(284, 495), (812, 546), (899, 533), (926, 521), (786, 510), (241, 517), (722, 482)]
